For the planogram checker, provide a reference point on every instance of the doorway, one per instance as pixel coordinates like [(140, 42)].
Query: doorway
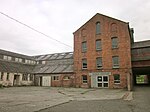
[(16, 80), (102, 81)]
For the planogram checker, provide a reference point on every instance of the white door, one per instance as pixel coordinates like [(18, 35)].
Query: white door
[(46, 81)]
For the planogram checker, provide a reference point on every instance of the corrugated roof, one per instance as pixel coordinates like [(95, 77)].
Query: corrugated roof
[(55, 66), (54, 56)]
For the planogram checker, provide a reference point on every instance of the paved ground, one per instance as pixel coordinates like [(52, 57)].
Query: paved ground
[(140, 103), (29, 99)]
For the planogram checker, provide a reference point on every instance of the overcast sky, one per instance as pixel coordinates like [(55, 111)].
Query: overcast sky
[(60, 18)]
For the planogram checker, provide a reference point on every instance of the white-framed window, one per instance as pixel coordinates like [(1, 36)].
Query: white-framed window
[(5, 57), (84, 63), (117, 78), (84, 79), (9, 58), (115, 60), (66, 78), (20, 60), (17, 59), (99, 62), (55, 77)]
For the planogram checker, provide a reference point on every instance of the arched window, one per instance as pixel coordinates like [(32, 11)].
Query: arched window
[(113, 27), (98, 28)]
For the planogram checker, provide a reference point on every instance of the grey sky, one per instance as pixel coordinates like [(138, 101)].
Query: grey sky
[(60, 18)]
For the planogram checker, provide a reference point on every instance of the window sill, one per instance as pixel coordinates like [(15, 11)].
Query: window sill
[(117, 83), (98, 34), (99, 68), (84, 68), (98, 50), (116, 67), (115, 48), (84, 83)]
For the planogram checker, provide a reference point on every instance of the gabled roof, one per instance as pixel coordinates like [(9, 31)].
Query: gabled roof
[(98, 14)]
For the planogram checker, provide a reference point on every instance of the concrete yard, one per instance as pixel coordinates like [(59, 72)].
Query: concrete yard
[(29, 99)]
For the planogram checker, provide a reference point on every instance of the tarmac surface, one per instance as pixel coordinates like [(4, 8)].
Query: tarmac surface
[(139, 103), (44, 99)]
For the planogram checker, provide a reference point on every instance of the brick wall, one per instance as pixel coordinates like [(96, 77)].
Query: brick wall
[(87, 33)]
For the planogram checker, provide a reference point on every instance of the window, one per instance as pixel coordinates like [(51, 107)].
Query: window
[(31, 77), (115, 61), (55, 77), (2, 75), (98, 28), (116, 78), (7, 78), (20, 60), (84, 47), (113, 27), (98, 45), (25, 77), (28, 61), (66, 78), (7, 58), (114, 42), (84, 78), (16, 59), (84, 63), (43, 62), (99, 63)]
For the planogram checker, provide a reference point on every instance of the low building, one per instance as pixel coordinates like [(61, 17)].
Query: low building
[(54, 70), (16, 69)]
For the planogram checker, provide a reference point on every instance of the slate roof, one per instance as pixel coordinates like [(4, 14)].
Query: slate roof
[(55, 63), (13, 67), (141, 44)]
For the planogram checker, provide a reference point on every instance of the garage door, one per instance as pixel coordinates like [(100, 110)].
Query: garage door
[(46, 81)]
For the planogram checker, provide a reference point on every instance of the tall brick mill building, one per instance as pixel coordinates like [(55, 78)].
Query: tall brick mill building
[(105, 56), (102, 53)]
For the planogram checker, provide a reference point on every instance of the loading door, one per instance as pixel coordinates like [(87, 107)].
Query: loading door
[(46, 81)]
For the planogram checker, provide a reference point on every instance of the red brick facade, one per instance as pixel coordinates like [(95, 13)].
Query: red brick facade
[(64, 80), (109, 28)]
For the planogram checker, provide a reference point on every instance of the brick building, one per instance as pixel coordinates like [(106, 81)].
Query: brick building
[(105, 56), (102, 53)]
